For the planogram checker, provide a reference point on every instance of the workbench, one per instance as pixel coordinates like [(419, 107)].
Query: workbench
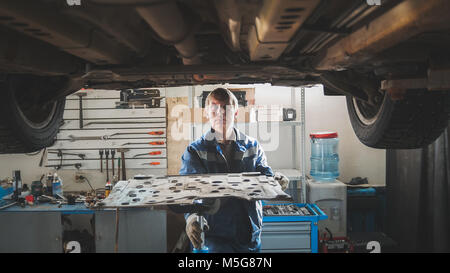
[(40, 229)]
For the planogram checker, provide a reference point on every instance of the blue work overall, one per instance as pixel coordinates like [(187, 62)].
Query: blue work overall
[(236, 227)]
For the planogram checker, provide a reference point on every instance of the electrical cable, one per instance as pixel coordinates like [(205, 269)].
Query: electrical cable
[(331, 234), (87, 180)]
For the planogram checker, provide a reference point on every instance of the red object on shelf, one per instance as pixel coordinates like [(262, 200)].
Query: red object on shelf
[(323, 135)]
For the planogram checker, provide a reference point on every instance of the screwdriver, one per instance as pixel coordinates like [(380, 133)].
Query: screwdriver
[(150, 143), (152, 163), (155, 133), (150, 153)]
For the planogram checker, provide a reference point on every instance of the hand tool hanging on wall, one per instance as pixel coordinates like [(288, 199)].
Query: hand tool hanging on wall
[(60, 155), (101, 159), (80, 96), (152, 163), (113, 152), (42, 157), (59, 166), (73, 138), (153, 133), (60, 152), (118, 167), (121, 122), (145, 98), (150, 153), (154, 143), (124, 170), (106, 158), (122, 155)]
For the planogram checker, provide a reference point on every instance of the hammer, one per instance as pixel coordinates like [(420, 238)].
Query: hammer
[(113, 152), (101, 159), (80, 96), (122, 155), (107, 157)]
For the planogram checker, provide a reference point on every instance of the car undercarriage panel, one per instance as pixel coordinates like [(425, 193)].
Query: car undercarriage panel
[(148, 191)]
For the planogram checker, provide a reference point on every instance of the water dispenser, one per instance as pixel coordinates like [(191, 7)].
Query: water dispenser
[(324, 156)]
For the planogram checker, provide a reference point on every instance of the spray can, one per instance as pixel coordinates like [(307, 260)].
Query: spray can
[(49, 184), (17, 184), (57, 185), (108, 188)]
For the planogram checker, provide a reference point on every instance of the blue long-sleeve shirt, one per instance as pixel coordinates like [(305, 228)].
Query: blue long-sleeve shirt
[(236, 227)]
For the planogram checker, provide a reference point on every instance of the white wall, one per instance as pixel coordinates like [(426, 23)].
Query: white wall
[(322, 113)]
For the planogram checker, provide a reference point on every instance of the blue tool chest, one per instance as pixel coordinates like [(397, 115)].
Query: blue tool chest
[(293, 230)]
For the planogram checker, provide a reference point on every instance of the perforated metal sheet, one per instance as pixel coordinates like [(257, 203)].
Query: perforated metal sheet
[(170, 190)]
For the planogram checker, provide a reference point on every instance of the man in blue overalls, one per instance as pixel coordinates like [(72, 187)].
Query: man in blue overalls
[(236, 226)]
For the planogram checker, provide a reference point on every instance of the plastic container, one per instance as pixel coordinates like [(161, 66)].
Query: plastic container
[(57, 185), (331, 197), (37, 188), (324, 156)]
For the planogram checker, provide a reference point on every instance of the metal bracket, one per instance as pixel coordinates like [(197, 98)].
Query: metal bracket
[(437, 80)]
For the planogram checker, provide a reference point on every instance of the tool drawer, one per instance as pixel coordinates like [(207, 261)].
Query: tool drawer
[(296, 232), (286, 235), (286, 227)]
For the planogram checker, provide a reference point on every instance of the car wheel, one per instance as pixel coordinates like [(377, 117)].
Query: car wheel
[(27, 125), (412, 122)]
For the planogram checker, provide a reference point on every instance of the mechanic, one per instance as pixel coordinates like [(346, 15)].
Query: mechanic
[(236, 226)]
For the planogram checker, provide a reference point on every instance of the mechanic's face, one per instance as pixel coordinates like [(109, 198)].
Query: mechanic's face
[(221, 115)]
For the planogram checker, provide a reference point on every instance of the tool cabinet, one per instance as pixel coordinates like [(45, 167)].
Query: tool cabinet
[(292, 233)]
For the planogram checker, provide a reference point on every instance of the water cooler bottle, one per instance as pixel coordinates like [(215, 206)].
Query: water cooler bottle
[(324, 189)]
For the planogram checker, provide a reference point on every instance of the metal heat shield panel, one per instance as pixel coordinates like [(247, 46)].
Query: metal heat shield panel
[(184, 190)]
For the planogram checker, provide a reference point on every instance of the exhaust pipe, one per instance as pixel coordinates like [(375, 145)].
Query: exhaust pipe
[(168, 23)]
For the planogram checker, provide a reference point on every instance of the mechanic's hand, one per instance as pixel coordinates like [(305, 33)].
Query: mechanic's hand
[(282, 179), (194, 231)]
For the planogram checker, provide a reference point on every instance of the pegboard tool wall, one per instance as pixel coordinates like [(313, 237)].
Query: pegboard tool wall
[(107, 123)]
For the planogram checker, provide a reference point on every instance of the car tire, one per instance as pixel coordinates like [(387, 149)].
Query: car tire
[(26, 128), (410, 123)]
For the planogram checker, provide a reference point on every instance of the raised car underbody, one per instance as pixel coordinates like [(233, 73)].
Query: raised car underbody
[(143, 43), (384, 55)]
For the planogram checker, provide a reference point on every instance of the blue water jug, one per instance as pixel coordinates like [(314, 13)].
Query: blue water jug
[(324, 156)]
